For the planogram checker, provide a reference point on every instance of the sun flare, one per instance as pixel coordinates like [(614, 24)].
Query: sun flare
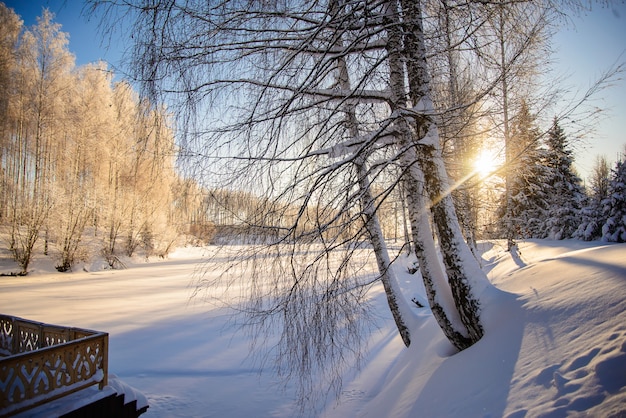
[(486, 163)]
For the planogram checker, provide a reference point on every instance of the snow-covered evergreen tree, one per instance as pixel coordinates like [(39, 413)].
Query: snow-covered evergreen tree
[(614, 229), (528, 203), (592, 214), (563, 187)]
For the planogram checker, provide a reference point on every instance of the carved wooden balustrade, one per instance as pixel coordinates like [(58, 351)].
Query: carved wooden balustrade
[(41, 362)]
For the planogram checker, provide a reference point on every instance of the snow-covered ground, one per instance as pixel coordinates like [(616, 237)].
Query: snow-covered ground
[(555, 344)]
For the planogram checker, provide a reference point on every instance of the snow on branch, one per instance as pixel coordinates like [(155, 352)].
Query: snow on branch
[(381, 137), (358, 97)]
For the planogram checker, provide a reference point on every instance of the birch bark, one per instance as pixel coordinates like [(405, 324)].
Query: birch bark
[(464, 273), (440, 300), (397, 303)]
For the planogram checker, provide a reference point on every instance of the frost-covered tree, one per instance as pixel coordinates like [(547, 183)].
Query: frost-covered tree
[(614, 229), (10, 28), (42, 84), (138, 175), (76, 151), (75, 184), (563, 186)]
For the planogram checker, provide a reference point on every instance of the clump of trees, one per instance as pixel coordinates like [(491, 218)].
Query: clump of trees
[(308, 126), (546, 194), (603, 214), (86, 164), (547, 197)]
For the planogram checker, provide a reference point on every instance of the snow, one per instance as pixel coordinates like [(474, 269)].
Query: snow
[(85, 397), (550, 342), (555, 342)]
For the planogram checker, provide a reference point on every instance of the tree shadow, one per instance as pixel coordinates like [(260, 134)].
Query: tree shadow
[(516, 256), (616, 270), (196, 365), (464, 376)]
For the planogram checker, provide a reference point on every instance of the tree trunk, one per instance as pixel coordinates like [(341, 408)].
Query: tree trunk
[(434, 278), (456, 253), (395, 300), (459, 262)]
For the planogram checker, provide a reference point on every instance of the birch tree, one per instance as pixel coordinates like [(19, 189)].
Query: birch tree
[(77, 181), (44, 63), (78, 153), (10, 28), (321, 104), (512, 44), (456, 99), (138, 177), (151, 180), (398, 309)]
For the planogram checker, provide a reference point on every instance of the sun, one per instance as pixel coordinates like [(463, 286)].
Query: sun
[(486, 163)]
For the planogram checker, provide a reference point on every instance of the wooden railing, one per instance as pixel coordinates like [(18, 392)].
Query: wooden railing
[(41, 362)]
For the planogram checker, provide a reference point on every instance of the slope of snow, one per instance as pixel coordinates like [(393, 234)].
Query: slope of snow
[(555, 342)]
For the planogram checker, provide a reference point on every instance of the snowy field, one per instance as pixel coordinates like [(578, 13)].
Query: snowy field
[(555, 342)]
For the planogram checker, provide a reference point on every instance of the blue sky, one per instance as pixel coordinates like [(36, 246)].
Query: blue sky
[(85, 39), (595, 42), (584, 49)]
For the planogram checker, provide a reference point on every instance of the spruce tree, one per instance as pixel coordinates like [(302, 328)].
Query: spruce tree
[(593, 217), (528, 202), (563, 186), (614, 229)]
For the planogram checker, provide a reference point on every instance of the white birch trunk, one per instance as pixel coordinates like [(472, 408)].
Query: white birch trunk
[(465, 277), (398, 305), (441, 301)]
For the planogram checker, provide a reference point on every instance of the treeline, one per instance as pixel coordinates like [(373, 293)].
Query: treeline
[(85, 162)]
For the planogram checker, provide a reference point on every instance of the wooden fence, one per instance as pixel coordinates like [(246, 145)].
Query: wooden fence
[(41, 362)]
